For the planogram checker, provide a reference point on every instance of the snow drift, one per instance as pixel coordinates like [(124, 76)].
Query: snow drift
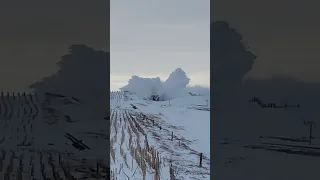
[(175, 86)]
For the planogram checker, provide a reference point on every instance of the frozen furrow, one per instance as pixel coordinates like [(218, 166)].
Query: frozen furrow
[(36, 166), (26, 168), (56, 163), (45, 167), (132, 155)]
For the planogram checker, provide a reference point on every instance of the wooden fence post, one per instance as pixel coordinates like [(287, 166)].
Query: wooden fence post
[(31, 97), (311, 124), (36, 96), (200, 164), (172, 136), (98, 168), (310, 134)]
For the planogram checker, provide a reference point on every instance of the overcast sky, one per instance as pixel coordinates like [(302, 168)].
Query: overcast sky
[(35, 34), (151, 38), (283, 34)]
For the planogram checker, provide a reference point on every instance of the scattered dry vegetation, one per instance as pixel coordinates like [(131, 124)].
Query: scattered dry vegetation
[(147, 158)]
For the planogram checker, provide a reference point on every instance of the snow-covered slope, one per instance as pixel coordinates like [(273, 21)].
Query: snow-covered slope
[(158, 140), (36, 138)]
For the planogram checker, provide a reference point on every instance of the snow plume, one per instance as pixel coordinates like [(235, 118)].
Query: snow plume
[(145, 87), (175, 86)]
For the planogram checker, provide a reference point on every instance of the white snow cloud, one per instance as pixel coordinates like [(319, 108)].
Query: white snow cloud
[(176, 85)]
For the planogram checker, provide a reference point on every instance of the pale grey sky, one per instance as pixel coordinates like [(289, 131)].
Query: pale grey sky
[(151, 38)]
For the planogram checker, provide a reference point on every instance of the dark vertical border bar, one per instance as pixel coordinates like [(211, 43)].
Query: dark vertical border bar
[(211, 98), (108, 100), (61, 127), (284, 100), (107, 117)]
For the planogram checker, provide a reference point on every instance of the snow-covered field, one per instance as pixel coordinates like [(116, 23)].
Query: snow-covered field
[(255, 142), (153, 140), (35, 144)]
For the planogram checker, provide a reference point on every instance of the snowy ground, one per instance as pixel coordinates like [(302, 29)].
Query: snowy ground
[(253, 142), (33, 143), (142, 145)]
